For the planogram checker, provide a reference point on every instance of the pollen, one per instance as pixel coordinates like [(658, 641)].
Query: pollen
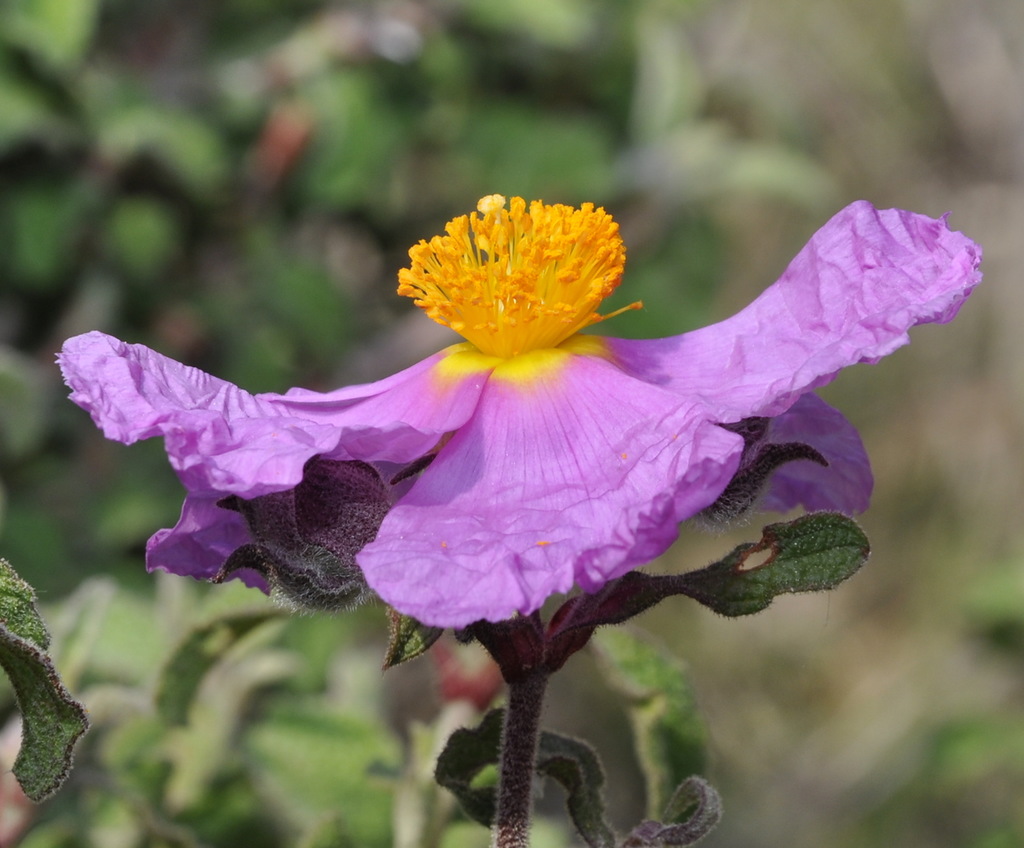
[(517, 279)]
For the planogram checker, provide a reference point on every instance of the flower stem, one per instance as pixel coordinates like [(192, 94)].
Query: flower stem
[(519, 739)]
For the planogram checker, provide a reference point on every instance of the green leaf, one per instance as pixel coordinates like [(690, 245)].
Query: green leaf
[(200, 750), (18, 608), (574, 764), (311, 761), (669, 734), (407, 638), (198, 653), (185, 145), (357, 144), (694, 796), (776, 171), (554, 23), (328, 832), (466, 754), (142, 234), (25, 110), (132, 752), (52, 721), (45, 220), (58, 31), (533, 154), (813, 553), (23, 402), (108, 631)]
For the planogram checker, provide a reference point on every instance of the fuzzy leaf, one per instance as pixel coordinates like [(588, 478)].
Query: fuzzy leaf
[(198, 653), (407, 638), (569, 761), (467, 752), (694, 794), (52, 721), (18, 608), (669, 734), (811, 554), (575, 765)]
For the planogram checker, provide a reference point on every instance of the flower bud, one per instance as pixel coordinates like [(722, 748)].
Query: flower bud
[(305, 540), (760, 459)]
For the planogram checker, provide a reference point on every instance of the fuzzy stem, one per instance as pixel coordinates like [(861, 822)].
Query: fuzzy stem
[(519, 739)]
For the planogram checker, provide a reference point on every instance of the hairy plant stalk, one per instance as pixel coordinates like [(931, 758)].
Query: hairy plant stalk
[(519, 739)]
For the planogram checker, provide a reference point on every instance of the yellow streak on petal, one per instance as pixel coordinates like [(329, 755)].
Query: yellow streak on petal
[(464, 360), (587, 346), (533, 366)]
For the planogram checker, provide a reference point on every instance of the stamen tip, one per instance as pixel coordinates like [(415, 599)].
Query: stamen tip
[(492, 203)]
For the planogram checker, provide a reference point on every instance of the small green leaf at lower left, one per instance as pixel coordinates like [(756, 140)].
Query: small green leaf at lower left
[(408, 639), (52, 721)]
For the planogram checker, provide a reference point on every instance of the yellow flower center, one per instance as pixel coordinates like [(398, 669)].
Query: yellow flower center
[(510, 281)]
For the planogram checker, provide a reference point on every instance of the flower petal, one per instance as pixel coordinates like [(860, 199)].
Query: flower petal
[(197, 546), (221, 439), (845, 485), (849, 296), (575, 477)]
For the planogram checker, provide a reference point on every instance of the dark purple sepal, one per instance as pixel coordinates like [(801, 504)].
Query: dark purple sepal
[(574, 622), (759, 461), (306, 539), (517, 644)]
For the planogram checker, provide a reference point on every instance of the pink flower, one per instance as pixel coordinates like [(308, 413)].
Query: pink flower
[(558, 459)]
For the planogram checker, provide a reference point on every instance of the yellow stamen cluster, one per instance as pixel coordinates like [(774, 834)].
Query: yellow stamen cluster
[(510, 280)]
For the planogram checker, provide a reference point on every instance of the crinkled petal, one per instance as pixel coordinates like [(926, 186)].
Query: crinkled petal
[(221, 439), (572, 478), (849, 296), (134, 393), (845, 485), (197, 546), (397, 419)]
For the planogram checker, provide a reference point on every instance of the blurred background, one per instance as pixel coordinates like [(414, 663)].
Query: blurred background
[(236, 183)]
